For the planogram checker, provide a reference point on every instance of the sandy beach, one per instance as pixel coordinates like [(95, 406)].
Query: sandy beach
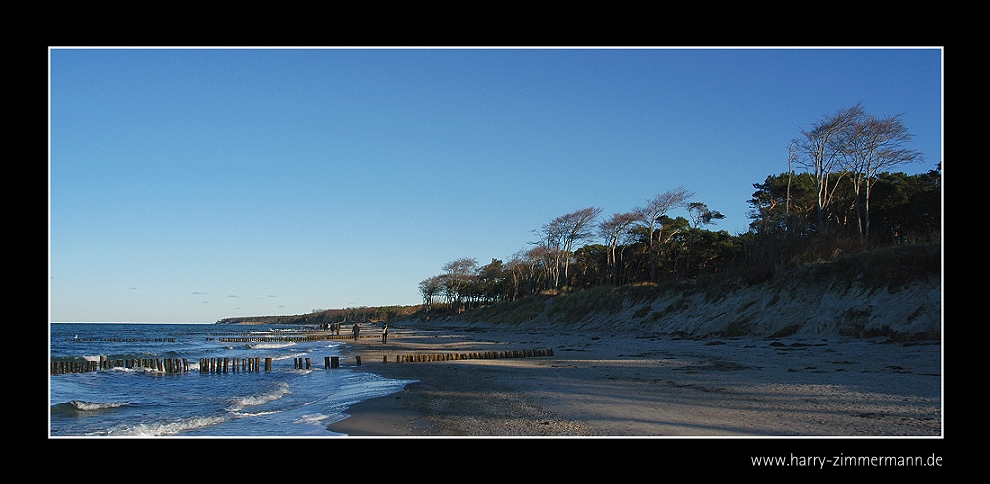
[(628, 385)]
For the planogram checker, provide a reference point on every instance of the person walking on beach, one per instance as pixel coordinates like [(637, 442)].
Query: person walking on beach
[(356, 329), (385, 333)]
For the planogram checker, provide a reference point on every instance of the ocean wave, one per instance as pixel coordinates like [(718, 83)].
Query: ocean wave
[(79, 406), (302, 354), (254, 414), (271, 346), (166, 428), (311, 419), (137, 370), (278, 392)]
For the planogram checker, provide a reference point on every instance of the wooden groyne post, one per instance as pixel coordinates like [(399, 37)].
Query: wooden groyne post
[(426, 357), (286, 338), (225, 365), (122, 340), (164, 365)]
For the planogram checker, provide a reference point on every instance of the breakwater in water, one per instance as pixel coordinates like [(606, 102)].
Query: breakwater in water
[(288, 339), (191, 395), (164, 365), (254, 364)]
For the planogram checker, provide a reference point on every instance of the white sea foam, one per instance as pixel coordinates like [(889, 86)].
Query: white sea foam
[(93, 406), (311, 419), (253, 400), (166, 428), (255, 414), (271, 346), (300, 354)]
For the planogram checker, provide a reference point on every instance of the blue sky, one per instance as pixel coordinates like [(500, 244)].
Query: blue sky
[(190, 185)]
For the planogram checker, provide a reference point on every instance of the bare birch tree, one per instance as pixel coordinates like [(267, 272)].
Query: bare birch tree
[(558, 238), (549, 249), (792, 155), (822, 150), (875, 145), (656, 208), (430, 289), (612, 230), (577, 227), (458, 278), (537, 268)]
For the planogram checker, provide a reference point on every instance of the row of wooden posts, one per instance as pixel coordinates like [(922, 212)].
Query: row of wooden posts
[(269, 339), (122, 340), (480, 355), (329, 362), (251, 365), (166, 365), (233, 365), (181, 365)]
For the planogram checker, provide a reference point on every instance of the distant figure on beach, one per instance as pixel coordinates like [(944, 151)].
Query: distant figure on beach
[(356, 329), (385, 333), (335, 328)]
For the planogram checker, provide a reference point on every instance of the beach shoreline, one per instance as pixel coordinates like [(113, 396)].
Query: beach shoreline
[(624, 385)]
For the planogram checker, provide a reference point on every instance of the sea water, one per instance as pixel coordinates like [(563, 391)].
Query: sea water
[(286, 401)]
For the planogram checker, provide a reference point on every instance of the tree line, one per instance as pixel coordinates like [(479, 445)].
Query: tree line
[(845, 199), (361, 314)]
